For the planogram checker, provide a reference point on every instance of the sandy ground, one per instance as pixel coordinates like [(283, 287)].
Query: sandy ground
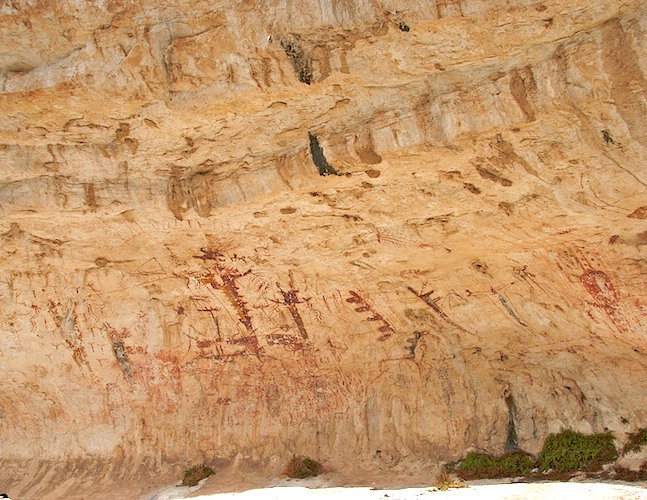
[(264, 482), (532, 491)]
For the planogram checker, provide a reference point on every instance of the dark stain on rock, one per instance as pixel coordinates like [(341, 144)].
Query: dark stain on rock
[(90, 196), (507, 208), (54, 163), (288, 210), (133, 144), (122, 132), (639, 213), (122, 358), (522, 86), (471, 188), (608, 138), (100, 262), (512, 440), (373, 173), (493, 175), (365, 149), (202, 191), (507, 156), (413, 343), (641, 238), (300, 62), (177, 194), (318, 157), (321, 62), (481, 267)]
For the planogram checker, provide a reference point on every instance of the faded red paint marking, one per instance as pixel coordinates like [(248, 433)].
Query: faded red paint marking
[(290, 300), (364, 306), (285, 340), (229, 286), (598, 284), (605, 297), (639, 213), (426, 298), (250, 343)]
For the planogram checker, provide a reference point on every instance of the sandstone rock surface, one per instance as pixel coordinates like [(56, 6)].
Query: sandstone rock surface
[(178, 283)]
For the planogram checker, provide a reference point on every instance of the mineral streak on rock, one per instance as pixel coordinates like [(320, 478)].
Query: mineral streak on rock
[(491, 151)]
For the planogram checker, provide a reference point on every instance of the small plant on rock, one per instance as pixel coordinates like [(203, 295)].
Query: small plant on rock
[(196, 474), (571, 451), (636, 440), (301, 467)]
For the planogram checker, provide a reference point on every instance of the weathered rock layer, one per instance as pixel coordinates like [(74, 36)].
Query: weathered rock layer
[(178, 283)]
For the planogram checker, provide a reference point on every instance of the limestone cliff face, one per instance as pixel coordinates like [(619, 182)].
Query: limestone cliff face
[(178, 282)]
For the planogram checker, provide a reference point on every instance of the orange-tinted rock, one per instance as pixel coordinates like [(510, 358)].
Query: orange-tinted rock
[(178, 284)]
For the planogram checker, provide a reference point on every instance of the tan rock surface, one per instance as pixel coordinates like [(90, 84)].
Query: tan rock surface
[(178, 284)]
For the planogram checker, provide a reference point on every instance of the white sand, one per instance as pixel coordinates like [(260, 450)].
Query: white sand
[(520, 491)]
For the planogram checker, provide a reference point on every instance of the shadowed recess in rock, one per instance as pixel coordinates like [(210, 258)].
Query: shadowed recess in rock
[(300, 62), (318, 157)]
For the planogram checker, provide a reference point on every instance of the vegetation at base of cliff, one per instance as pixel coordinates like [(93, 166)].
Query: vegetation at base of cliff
[(636, 440), (444, 481), (301, 467), (484, 466), (196, 474), (571, 451), (563, 454), (623, 474)]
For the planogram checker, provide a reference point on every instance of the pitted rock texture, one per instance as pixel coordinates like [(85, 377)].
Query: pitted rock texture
[(179, 284)]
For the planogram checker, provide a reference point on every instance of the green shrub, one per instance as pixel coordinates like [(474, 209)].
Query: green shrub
[(636, 440), (196, 474), (301, 467), (483, 466), (570, 451)]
